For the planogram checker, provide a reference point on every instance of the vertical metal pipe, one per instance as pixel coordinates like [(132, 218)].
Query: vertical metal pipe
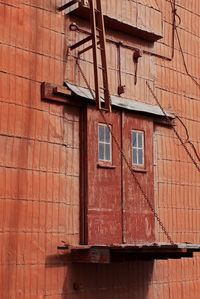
[(95, 59), (122, 181)]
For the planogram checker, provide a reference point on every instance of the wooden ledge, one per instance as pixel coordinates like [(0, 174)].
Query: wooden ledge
[(105, 165), (105, 254), (55, 93)]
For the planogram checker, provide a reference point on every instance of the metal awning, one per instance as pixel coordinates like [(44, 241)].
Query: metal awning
[(105, 254), (124, 103)]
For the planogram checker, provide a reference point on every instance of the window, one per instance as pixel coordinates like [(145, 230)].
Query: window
[(104, 140), (137, 148)]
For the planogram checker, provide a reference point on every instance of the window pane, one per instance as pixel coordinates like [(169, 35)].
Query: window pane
[(140, 157), (101, 151), (104, 142), (140, 140), (101, 133), (134, 137), (134, 156), (107, 152), (107, 134)]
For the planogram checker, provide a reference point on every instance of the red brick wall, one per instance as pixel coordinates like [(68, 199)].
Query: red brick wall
[(39, 157)]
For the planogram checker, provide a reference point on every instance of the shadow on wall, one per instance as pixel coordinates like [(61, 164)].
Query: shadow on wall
[(114, 281)]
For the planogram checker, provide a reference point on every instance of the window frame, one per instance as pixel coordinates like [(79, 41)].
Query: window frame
[(104, 161), (136, 166)]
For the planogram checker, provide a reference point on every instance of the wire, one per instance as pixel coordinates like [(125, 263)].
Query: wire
[(175, 131), (148, 200), (186, 130), (184, 61), (173, 5), (188, 138)]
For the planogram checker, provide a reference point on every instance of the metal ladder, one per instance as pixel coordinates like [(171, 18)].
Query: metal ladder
[(97, 37)]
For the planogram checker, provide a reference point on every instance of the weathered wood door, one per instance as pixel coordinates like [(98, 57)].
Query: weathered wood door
[(138, 219), (115, 210), (103, 214)]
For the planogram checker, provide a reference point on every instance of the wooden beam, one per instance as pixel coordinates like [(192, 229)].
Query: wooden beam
[(92, 255), (68, 4), (51, 92), (81, 42)]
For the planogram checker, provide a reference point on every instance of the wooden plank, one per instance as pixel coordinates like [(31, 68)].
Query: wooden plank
[(68, 4), (93, 256), (61, 90), (104, 183)]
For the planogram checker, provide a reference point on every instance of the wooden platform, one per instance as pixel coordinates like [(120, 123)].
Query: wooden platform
[(105, 254)]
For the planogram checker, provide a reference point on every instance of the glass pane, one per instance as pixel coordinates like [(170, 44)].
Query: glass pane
[(134, 139), (107, 152), (101, 151), (134, 156), (140, 157), (140, 140), (101, 133), (107, 134)]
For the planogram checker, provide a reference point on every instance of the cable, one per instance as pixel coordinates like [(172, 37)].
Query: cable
[(175, 131), (188, 138), (173, 5), (184, 61), (127, 163), (186, 130)]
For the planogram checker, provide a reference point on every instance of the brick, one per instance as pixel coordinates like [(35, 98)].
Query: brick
[(55, 218), (56, 156), (3, 150), (49, 213), (42, 186), (56, 187), (4, 108), (36, 155), (43, 155)]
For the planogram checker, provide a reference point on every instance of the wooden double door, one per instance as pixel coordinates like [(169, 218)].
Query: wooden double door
[(113, 208)]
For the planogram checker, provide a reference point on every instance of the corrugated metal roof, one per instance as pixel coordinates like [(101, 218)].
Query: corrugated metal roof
[(127, 104)]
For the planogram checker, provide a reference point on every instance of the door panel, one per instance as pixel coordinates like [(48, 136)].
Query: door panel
[(138, 218), (104, 209)]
